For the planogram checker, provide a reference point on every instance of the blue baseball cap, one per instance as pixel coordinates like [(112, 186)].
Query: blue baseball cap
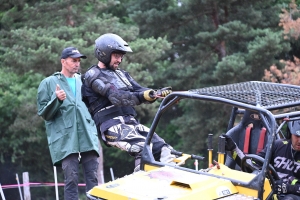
[(71, 52)]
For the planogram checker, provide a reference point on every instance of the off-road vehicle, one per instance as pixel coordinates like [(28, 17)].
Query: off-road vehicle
[(264, 107)]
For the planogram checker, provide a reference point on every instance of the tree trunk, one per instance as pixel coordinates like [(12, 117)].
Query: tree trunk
[(220, 47), (100, 171)]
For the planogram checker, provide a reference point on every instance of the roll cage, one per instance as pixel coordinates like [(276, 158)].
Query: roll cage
[(256, 96)]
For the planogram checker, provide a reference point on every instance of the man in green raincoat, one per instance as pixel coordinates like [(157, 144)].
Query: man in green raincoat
[(71, 132)]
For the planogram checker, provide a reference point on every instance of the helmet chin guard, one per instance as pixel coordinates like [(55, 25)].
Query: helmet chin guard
[(108, 43)]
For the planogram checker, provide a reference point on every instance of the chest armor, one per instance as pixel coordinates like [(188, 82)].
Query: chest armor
[(97, 102), (117, 78)]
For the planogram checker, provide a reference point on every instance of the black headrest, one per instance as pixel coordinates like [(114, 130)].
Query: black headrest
[(251, 117)]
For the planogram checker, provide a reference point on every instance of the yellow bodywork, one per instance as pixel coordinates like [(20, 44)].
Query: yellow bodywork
[(171, 183)]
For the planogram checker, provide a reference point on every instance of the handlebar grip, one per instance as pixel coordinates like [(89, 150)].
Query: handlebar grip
[(197, 157), (178, 153), (209, 141), (221, 145)]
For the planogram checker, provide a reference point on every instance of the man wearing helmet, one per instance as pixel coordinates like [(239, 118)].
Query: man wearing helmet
[(110, 94), (285, 159)]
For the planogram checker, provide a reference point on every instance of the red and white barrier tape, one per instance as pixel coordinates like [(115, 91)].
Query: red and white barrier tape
[(36, 185)]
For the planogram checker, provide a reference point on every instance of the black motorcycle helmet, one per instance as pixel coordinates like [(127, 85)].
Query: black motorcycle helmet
[(108, 43)]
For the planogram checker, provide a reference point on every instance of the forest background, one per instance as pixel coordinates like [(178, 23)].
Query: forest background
[(185, 44)]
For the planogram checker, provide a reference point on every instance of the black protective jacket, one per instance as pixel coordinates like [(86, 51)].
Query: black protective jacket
[(108, 93), (285, 160)]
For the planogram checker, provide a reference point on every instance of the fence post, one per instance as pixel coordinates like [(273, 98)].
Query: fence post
[(112, 174), (26, 186), (17, 178), (100, 165), (1, 192), (55, 180)]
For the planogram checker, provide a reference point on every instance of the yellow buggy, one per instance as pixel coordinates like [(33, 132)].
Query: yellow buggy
[(265, 108)]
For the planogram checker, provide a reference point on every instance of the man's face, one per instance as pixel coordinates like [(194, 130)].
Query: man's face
[(296, 142), (70, 65), (115, 60)]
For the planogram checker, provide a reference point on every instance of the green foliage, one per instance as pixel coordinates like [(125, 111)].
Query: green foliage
[(23, 138), (32, 38), (37, 44), (230, 66), (213, 43), (119, 161), (20, 125)]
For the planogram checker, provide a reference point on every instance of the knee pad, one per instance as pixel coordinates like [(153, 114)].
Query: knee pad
[(165, 155)]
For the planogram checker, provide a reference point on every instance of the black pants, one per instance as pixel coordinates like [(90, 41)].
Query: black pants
[(70, 166)]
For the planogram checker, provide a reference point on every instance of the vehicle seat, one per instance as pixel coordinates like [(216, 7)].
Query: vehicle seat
[(253, 123)]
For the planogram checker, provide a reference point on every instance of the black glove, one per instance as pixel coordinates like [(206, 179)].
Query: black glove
[(230, 145), (163, 92), (286, 188), (281, 187), (149, 95)]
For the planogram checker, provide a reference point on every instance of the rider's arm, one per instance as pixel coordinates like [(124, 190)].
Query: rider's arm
[(102, 86), (236, 153), (230, 146)]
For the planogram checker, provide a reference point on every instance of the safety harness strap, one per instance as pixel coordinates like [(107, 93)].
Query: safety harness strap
[(247, 139), (112, 112), (261, 141)]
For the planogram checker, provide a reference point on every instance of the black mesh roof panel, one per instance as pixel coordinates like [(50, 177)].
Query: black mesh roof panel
[(255, 93)]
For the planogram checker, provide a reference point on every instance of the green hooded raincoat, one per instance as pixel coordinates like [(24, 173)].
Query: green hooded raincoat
[(69, 126)]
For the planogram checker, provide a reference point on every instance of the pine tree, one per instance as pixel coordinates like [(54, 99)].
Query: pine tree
[(288, 70), (32, 36), (213, 43)]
